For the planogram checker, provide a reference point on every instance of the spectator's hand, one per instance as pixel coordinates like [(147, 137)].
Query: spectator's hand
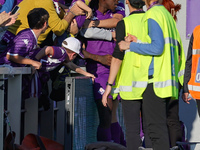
[(105, 59), (89, 14), (76, 10), (130, 38), (4, 17), (10, 20), (105, 97), (123, 45), (73, 28), (91, 76), (36, 64), (185, 98)]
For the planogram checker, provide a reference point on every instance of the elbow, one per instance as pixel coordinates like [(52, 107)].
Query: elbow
[(9, 57), (160, 51), (59, 33)]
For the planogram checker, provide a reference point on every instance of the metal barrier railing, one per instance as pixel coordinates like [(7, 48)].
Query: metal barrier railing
[(34, 120), (14, 95)]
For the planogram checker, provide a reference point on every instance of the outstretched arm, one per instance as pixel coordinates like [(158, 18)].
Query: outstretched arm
[(109, 23), (21, 60), (98, 33), (104, 59), (77, 69)]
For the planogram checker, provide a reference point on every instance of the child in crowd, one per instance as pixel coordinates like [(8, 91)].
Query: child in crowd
[(52, 57), (58, 82)]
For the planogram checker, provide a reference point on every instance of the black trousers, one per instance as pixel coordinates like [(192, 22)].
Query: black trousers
[(131, 112), (154, 113), (105, 114), (173, 122)]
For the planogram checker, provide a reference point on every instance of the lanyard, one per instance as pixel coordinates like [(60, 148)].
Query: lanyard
[(152, 4)]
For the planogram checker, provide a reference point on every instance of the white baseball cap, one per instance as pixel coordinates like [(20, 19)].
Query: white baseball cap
[(73, 44)]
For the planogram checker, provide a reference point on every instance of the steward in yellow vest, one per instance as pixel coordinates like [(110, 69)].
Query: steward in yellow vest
[(131, 24), (161, 65)]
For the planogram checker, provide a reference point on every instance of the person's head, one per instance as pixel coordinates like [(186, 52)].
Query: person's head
[(38, 18), (148, 2), (171, 7), (138, 4), (73, 47), (108, 4)]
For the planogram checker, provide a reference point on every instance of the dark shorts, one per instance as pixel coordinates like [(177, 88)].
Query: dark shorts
[(100, 85)]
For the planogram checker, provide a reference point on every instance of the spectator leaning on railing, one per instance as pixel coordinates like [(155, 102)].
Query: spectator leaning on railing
[(25, 42)]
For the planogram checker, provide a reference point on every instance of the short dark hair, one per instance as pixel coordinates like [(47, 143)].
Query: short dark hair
[(37, 17), (137, 3)]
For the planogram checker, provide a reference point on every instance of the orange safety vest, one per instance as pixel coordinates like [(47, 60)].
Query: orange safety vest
[(194, 83)]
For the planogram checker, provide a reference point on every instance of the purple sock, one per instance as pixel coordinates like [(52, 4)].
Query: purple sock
[(103, 134), (117, 134)]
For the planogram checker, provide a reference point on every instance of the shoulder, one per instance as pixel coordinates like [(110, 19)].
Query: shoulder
[(120, 6), (120, 9), (25, 38), (25, 34), (59, 52)]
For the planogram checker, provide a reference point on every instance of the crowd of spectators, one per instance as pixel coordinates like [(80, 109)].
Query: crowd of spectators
[(54, 37)]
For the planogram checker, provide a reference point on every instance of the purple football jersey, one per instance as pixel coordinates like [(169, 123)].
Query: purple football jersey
[(101, 47), (51, 62), (2, 2), (79, 19), (23, 44)]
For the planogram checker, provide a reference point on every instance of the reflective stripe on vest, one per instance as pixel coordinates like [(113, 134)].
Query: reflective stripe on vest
[(181, 73), (172, 41), (165, 84), (143, 84), (195, 51), (194, 88)]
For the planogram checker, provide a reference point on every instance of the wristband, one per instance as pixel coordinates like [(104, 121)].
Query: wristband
[(72, 13), (109, 84)]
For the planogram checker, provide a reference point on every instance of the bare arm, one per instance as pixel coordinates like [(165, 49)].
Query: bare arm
[(114, 68), (83, 6), (45, 51), (104, 59), (74, 11), (109, 23), (21, 60), (77, 69)]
